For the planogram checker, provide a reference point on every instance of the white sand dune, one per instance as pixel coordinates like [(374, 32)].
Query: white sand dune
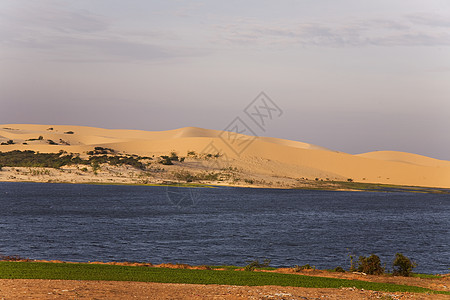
[(265, 158)]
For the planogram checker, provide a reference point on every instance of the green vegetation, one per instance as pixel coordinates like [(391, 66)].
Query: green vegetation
[(370, 265), (331, 185), (298, 268), (187, 176), (173, 156), (339, 269), (419, 275), (100, 150), (253, 265), (29, 158), (402, 265), (40, 138), (9, 142), (165, 160), (69, 271)]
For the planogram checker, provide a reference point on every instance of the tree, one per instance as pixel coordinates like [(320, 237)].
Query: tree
[(370, 265), (402, 265)]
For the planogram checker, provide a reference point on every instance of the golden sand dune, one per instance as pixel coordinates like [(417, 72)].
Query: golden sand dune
[(404, 157), (265, 159)]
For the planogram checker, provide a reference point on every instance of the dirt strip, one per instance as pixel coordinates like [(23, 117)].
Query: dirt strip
[(75, 289)]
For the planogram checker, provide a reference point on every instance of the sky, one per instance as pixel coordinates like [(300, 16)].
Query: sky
[(351, 75)]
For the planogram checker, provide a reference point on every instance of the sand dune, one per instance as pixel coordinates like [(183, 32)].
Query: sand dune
[(404, 157), (264, 158)]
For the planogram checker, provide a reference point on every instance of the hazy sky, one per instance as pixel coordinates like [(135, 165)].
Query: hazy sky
[(354, 76)]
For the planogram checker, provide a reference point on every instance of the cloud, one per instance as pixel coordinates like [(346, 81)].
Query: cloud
[(56, 32), (432, 20), (410, 31)]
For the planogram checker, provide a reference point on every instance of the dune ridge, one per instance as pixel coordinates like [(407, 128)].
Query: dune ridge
[(264, 160)]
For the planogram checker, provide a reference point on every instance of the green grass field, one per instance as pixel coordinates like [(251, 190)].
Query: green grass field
[(69, 271)]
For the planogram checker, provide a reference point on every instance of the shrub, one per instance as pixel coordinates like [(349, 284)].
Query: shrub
[(402, 265), (298, 268), (165, 160), (370, 265), (69, 132), (1, 167), (13, 258), (51, 142), (95, 166), (352, 262), (102, 150), (40, 138), (184, 175), (350, 180), (10, 142), (173, 156), (339, 269), (256, 264)]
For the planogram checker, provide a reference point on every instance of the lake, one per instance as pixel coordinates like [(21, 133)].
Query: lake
[(225, 226)]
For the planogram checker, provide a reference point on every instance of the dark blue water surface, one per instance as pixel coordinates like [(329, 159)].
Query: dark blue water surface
[(227, 226)]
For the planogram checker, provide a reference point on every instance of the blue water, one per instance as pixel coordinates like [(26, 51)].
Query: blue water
[(225, 226)]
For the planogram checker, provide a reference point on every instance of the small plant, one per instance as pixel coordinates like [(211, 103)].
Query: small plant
[(370, 265), (184, 175), (51, 128), (298, 268), (256, 264), (10, 142), (51, 142), (352, 262), (339, 269), (1, 167), (402, 265), (165, 160), (173, 156), (69, 132), (95, 166), (350, 180), (13, 258), (40, 138)]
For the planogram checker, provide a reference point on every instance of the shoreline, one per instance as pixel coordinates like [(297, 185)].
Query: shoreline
[(338, 186)]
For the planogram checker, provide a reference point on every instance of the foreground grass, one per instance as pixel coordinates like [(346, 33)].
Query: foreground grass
[(39, 270)]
